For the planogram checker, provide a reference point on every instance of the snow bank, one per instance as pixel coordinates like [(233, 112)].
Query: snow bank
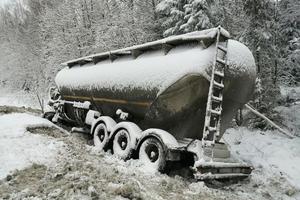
[(270, 151), (19, 148)]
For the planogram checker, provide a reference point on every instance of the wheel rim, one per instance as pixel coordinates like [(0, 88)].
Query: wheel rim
[(122, 145), (152, 152), (123, 141), (101, 134)]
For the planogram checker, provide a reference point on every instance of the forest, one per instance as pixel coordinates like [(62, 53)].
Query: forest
[(100, 143), (36, 36)]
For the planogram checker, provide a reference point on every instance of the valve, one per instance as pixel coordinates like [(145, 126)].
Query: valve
[(123, 115)]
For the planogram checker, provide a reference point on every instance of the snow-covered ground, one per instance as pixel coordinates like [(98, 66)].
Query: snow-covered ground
[(52, 166), (290, 92), (20, 148), (291, 113), (269, 151), (70, 168), (291, 119)]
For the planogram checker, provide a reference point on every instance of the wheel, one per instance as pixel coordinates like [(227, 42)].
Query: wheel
[(152, 153), (100, 136), (54, 94), (122, 147)]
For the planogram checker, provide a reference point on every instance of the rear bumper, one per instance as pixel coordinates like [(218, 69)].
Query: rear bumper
[(221, 170), (206, 167)]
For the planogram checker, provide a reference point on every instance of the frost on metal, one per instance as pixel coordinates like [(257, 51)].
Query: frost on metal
[(150, 67)]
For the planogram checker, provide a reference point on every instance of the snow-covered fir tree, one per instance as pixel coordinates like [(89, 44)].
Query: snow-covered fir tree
[(172, 14), (196, 16), (184, 16), (290, 40)]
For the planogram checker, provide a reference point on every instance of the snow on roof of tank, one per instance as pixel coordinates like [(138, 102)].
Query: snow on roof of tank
[(205, 36)]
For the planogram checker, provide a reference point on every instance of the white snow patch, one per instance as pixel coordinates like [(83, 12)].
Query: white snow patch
[(19, 148), (154, 70), (274, 153), (292, 93), (128, 167)]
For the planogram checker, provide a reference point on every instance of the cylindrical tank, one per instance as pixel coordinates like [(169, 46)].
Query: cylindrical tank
[(162, 90)]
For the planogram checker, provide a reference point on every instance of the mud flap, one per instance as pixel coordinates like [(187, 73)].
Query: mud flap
[(173, 155)]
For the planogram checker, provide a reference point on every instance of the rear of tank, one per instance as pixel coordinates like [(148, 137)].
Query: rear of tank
[(181, 108), (162, 91)]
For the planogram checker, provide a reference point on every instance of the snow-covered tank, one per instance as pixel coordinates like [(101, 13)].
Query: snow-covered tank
[(161, 89), (163, 84)]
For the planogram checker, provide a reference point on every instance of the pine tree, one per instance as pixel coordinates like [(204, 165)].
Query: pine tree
[(290, 41), (196, 16), (230, 15), (184, 16), (123, 24), (260, 37), (172, 13)]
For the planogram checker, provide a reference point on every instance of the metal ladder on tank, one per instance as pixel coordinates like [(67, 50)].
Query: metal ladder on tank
[(215, 96)]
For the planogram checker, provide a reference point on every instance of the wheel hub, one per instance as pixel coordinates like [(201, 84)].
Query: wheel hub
[(123, 145), (152, 152), (101, 135), (123, 142)]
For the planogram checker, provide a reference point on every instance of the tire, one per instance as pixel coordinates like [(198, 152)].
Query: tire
[(153, 154), (100, 136), (122, 146)]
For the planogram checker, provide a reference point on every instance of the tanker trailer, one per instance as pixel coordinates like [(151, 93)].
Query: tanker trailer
[(167, 100)]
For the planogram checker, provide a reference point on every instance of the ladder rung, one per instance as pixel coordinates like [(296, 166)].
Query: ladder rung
[(217, 99), (221, 74), (205, 134), (208, 143), (219, 60), (212, 128), (222, 48), (216, 112), (214, 102), (218, 85)]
